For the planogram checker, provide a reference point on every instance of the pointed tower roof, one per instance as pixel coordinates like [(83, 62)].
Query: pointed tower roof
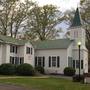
[(77, 19)]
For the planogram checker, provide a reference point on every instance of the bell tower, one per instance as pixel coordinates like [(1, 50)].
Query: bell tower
[(77, 33)]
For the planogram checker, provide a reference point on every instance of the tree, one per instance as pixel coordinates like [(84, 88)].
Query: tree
[(85, 7), (13, 16), (42, 23)]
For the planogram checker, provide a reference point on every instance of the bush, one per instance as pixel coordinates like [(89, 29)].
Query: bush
[(68, 71), (77, 78), (7, 69), (39, 69), (25, 70)]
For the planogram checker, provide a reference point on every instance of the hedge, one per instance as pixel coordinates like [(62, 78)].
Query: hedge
[(7, 69), (25, 70), (68, 71)]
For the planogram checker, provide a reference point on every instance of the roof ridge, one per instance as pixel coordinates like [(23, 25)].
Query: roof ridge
[(11, 40), (52, 40), (10, 37)]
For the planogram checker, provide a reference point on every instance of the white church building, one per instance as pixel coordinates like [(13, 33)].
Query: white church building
[(53, 55)]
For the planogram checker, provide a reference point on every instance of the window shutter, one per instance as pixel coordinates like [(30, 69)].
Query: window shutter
[(35, 61), (21, 60), (49, 61), (43, 61), (81, 64), (58, 61), (12, 60), (73, 63), (29, 50)]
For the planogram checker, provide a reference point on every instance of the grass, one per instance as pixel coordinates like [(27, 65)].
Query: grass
[(46, 83)]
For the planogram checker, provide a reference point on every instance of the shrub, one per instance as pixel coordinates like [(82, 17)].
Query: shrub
[(77, 78), (7, 69), (39, 69), (25, 70), (68, 71)]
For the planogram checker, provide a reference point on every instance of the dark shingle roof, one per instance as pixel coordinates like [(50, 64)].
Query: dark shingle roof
[(77, 19), (10, 40), (52, 44)]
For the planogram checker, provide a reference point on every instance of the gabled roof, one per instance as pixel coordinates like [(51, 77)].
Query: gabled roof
[(10, 40), (48, 44), (77, 19), (52, 44)]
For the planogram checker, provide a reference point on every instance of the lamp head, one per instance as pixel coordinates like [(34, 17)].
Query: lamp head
[(79, 43)]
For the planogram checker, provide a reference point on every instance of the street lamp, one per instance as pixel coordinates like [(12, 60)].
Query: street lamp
[(79, 45)]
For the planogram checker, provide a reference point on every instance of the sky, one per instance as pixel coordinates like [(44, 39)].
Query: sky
[(62, 4)]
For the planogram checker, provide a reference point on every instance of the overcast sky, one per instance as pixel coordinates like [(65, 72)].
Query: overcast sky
[(62, 4)]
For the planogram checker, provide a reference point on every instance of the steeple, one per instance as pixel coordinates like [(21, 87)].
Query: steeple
[(77, 19)]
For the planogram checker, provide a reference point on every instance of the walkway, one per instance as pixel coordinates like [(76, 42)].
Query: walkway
[(11, 87)]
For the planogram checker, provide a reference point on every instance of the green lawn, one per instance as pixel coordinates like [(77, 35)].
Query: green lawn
[(46, 83)]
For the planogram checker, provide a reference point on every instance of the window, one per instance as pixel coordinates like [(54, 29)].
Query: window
[(69, 61), (27, 50), (54, 61), (40, 61), (13, 49), (16, 60), (11, 60), (77, 63)]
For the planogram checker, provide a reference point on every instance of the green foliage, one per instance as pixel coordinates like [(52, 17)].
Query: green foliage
[(7, 69), (68, 71), (39, 69), (85, 13), (85, 10), (25, 70)]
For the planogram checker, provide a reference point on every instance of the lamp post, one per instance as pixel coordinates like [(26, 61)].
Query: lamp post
[(79, 45)]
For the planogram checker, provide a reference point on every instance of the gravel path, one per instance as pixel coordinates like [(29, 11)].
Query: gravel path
[(11, 87)]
